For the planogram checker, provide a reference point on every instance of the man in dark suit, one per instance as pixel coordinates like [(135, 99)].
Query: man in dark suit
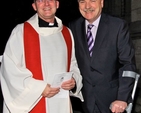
[(112, 56)]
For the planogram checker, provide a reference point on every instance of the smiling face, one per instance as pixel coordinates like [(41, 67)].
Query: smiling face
[(46, 9), (90, 9)]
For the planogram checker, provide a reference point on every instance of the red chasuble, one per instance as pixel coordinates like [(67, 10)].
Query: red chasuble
[(33, 58)]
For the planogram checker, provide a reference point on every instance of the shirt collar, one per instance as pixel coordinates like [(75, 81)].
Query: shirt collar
[(43, 23), (95, 23)]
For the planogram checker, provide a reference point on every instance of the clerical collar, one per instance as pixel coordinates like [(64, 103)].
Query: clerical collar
[(43, 23)]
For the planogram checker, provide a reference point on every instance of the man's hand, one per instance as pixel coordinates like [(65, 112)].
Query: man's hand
[(118, 106), (50, 92), (68, 85)]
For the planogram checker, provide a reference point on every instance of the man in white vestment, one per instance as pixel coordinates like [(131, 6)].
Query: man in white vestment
[(39, 70)]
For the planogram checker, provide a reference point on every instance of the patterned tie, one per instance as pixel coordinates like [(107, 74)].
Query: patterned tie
[(90, 39)]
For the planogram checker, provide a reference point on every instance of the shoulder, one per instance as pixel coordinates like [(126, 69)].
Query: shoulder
[(16, 33), (17, 29), (109, 19), (113, 23), (77, 21)]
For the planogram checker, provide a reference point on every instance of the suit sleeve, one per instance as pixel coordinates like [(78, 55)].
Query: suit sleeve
[(126, 56)]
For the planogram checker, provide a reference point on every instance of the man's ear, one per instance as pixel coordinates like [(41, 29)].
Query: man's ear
[(102, 3), (57, 3), (34, 6)]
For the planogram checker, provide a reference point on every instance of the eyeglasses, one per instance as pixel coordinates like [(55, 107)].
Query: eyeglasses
[(42, 1), (83, 1)]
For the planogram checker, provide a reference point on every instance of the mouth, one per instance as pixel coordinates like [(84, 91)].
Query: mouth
[(47, 9), (88, 10)]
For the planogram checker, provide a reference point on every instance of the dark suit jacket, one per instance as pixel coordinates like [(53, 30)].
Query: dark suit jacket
[(113, 53)]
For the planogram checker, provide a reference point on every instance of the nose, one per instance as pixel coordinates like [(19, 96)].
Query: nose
[(88, 5), (46, 2)]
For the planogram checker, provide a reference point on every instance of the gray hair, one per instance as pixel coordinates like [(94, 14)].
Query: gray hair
[(78, 0)]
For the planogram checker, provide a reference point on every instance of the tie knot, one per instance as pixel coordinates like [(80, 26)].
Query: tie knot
[(90, 26)]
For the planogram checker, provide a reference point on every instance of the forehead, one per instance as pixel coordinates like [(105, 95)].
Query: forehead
[(88, 0)]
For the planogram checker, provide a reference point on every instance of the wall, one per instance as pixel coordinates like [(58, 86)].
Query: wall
[(135, 27)]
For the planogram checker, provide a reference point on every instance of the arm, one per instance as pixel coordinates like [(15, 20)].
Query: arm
[(126, 58), (17, 83), (75, 84)]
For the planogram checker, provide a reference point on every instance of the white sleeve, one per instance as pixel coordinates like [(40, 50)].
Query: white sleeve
[(20, 91), (76, 73), (0, 58)]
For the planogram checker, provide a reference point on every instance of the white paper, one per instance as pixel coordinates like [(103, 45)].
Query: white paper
[(58, 80)]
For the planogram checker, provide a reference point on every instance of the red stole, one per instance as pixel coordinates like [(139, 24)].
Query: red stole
[(33, 59)]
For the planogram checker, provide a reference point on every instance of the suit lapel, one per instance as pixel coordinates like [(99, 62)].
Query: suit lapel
[(84, 38), (101, 33)]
